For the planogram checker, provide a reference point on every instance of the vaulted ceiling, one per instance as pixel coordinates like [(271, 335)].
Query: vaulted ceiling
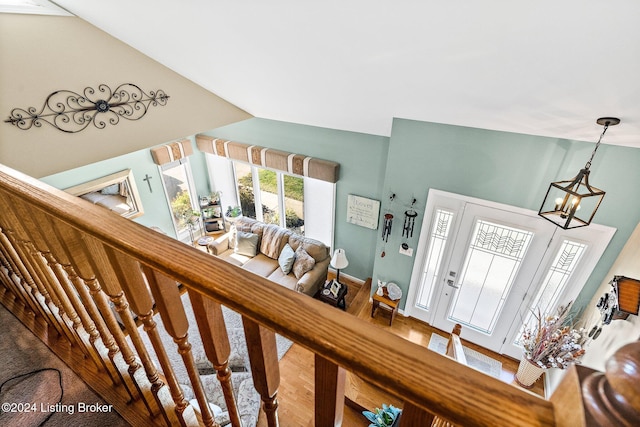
[(543, 68)]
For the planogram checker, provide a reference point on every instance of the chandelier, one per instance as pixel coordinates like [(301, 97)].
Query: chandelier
[(573, 203)]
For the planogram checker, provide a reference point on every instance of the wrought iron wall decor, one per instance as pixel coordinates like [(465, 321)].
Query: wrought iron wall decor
[(72, 112)]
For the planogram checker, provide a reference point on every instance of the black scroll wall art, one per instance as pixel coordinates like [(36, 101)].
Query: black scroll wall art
[(72, 112)]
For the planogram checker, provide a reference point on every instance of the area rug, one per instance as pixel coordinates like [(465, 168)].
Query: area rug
[(39, 389), (476, 360)]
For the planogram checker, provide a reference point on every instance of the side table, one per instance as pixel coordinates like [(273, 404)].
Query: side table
[(387, 304), (325, 295)]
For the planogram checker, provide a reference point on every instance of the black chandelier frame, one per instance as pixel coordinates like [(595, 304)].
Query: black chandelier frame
[(72, 112)]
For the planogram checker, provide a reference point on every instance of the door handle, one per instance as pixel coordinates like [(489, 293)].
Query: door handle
[(452, 284)]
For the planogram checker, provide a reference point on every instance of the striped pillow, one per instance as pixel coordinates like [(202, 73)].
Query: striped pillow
[(272, 242)]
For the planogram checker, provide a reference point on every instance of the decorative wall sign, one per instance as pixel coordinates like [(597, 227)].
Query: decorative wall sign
[(71, 112), (362, 211)]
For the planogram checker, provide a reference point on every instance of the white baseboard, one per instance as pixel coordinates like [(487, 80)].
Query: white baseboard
[(351, 278)]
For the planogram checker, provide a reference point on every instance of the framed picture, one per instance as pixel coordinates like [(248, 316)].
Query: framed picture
[(116, 192), (335, 288), (362, 211)]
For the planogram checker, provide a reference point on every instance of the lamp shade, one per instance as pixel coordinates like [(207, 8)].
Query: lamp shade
[(339, 259)]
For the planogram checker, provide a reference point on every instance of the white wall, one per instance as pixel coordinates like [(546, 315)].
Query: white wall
[(43, 54), (619, 332)]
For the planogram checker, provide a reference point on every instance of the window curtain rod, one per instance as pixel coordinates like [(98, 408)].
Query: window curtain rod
[(295, 164), (171, 152)]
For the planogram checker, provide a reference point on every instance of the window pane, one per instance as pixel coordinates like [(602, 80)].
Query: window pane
[(439, 233), (555, 282), (176, 185), (294, 203), (490, 267), (245, 189), (268, 181)]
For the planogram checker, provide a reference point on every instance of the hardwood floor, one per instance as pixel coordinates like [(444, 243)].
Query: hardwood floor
[(296, 367), (296, 393)]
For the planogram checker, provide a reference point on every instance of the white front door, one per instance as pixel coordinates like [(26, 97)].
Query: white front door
[(494, 261), (486, 266)]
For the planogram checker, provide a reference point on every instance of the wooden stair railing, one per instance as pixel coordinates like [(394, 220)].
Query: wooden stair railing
[(68, 261), (456, 352), (454, 345), (614, 396)]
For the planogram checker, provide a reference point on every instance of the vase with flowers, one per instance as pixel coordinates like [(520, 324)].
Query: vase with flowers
[(550, 342)]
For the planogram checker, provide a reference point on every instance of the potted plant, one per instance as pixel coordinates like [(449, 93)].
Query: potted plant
[(233, 213), (551, 342), (386, 417)]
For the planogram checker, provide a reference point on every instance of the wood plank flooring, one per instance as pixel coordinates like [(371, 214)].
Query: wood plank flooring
[(296, 403), (296, 367)]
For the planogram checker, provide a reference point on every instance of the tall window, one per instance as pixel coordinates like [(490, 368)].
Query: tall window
[(308, 203), (265, 194), (179, 189), (244, 183), (435, 252), (294, 203), (555, 282)]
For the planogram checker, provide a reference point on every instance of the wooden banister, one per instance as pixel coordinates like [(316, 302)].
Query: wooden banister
[(215, 340), (329, 392), (454, 345), (263, 355), (112, 249), (613, 397), (292, 315)]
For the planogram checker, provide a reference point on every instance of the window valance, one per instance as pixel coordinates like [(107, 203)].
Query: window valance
[(170, 152), (295, 164)]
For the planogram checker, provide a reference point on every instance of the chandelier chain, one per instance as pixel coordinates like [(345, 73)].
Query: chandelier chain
[(588, 165)]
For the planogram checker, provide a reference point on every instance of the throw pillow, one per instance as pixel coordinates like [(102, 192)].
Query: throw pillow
[(303, 263), (286, 259), (272, 238), (232, 236), (246, 243)]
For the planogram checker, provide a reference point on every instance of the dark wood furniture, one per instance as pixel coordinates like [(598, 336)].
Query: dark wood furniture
[(339, 301), (386, 303)]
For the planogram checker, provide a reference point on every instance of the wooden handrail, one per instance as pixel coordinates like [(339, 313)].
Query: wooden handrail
[(423, 379)]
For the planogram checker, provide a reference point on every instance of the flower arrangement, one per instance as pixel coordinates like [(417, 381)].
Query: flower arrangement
[(382, 417), (552, 342)]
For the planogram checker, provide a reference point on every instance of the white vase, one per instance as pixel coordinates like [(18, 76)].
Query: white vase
[(528, 373)]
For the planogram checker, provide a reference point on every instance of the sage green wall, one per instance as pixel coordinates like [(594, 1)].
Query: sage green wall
[(362, 159), (156, 209), (504, 167)]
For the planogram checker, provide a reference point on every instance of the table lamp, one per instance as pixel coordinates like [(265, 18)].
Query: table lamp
[(339, 261)]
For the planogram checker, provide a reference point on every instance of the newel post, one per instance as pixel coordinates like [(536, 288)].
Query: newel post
[(613, 397)]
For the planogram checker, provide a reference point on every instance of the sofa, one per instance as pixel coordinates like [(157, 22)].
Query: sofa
[(289, 259)]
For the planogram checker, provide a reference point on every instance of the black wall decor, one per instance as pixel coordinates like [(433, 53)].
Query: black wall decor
[(72, 112)]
